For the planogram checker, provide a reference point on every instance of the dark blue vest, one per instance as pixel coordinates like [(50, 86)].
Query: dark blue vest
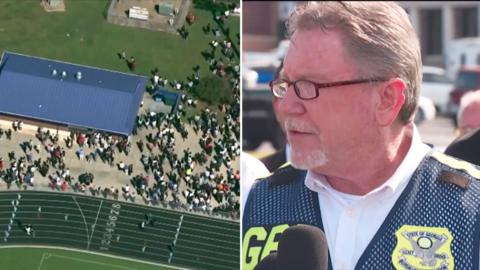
[(442, 193)]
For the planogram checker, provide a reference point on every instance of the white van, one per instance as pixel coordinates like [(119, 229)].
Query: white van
[(464, 52)]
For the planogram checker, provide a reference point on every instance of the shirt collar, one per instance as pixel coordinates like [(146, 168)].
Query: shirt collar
[(287, 152), (402, 174)]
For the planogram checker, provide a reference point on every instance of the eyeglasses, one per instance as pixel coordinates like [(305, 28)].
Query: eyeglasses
[(308, 90)]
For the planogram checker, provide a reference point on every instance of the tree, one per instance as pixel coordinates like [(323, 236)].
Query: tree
[(214, 90)]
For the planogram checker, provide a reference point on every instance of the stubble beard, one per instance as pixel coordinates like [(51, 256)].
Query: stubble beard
[(309, 160)]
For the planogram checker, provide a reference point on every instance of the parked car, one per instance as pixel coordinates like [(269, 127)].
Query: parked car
[(263, 59), (258, 76), (258, 119), (436, 86), (249, 78), (260, 59), (265, 74), (468, 79)]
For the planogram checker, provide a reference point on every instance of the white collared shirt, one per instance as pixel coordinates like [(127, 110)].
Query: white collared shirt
[(350, 222), (288, 152), (252, 169)]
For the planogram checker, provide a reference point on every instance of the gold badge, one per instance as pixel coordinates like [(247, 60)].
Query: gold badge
[(426, 248)]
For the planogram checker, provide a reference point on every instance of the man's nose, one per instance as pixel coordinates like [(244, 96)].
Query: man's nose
[(290, 103)]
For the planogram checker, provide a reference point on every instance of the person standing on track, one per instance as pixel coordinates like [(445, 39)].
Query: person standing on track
[(142, 225)]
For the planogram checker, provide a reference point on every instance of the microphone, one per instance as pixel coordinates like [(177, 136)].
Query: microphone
[(302, 247), (268, 263)]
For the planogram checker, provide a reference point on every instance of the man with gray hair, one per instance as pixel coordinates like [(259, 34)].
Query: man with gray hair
[(347, 94), (467, 144), (468, 116)]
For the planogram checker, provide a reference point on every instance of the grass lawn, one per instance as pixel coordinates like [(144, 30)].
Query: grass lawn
[(82, 35), (56, 259)]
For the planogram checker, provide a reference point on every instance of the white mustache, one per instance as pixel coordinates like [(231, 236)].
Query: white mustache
[(298, 125)]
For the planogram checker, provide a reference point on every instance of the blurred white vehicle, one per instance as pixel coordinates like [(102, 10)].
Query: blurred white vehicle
[(260, 59), (461, 53), (249, 78), (258, 70), (282, 48), (425, 110), (436, 86), (266, 59)]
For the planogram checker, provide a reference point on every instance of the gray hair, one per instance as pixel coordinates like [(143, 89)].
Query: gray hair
[(469, 99), (377, 35)]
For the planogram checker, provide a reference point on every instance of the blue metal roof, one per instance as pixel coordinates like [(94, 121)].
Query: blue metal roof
[(101, 99)]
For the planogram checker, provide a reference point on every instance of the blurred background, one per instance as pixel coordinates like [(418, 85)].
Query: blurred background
[(450, 43)]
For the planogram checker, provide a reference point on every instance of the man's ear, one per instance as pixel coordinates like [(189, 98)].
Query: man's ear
[(391, 98)]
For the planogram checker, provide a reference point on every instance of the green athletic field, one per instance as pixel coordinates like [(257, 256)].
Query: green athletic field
[(111, 227), (56, 259), (82, 35)]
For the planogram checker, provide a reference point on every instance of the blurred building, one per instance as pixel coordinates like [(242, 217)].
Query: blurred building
[(264, 24), (437, 23)]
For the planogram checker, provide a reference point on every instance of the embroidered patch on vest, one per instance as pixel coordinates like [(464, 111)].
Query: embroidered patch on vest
[(455, 179), (425, 248)]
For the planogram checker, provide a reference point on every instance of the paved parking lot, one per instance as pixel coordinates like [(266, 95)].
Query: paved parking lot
[(440, 132)]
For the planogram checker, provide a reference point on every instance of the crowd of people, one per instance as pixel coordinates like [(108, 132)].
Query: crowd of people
[(219, 138), (203, 177), (158, 156), (218, 146)]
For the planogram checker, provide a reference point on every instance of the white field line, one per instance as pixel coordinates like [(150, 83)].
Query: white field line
[(41, 260), (84, 220), (92, 262), (93, 226), (98, 254)]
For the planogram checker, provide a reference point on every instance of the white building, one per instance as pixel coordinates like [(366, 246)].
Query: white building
[(437, 24)]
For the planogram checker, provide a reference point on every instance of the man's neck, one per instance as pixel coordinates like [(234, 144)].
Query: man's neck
[(365, 175)]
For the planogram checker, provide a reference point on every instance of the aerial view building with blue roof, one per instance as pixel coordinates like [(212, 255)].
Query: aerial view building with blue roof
[(69, 96)]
